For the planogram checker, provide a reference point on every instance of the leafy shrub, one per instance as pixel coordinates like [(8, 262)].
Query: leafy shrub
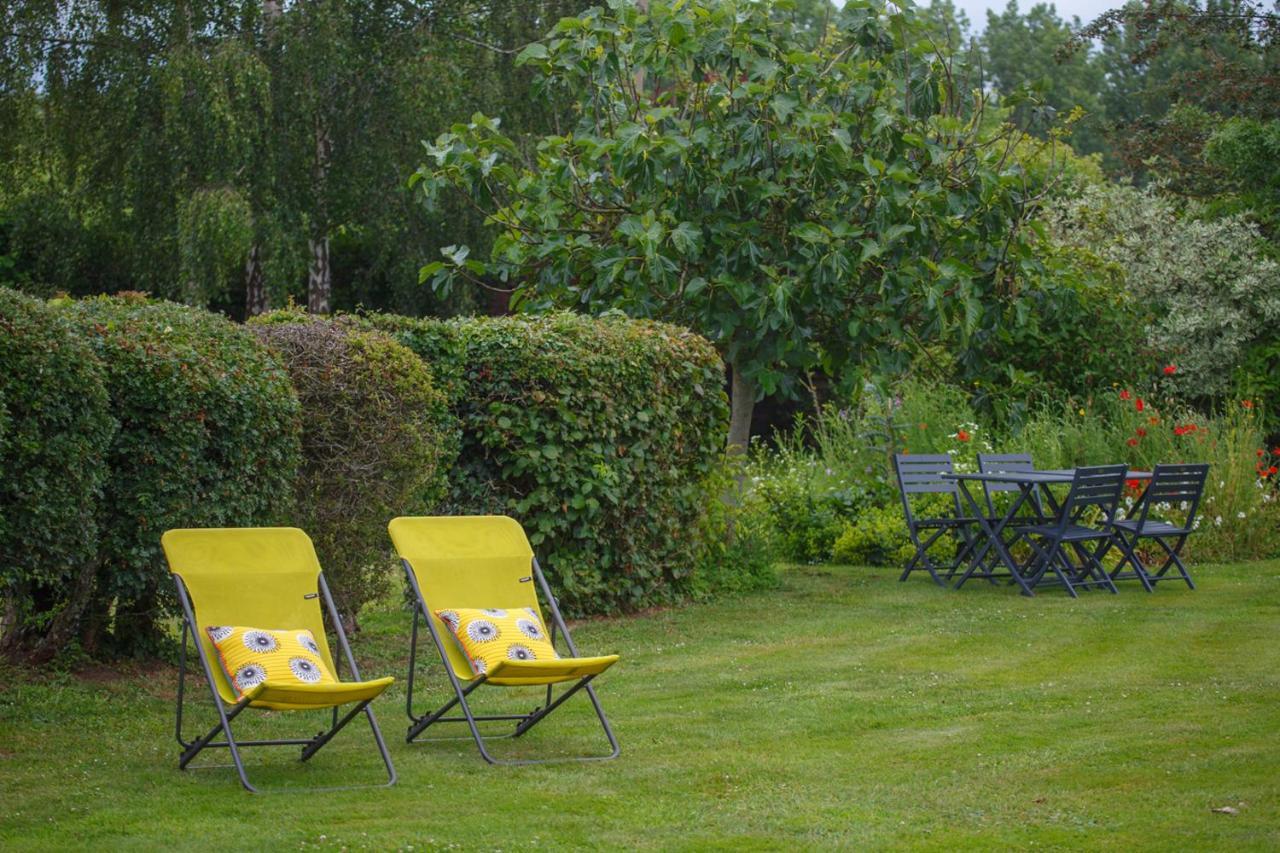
[(604, 437), (879, 536), (1214, 292), (209, 437), (55, 428), (1239, 515), (806, 503), (377, 441)]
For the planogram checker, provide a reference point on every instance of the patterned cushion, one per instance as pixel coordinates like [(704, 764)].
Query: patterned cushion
[(488, 637), (251, 656)]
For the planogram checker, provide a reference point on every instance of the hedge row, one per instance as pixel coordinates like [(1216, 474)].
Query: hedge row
[(603, 437), (377, 442), (122, 417), (55, 427)]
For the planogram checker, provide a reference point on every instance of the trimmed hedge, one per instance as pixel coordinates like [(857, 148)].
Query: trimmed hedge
[(209, 437), (604, 437), (377, 442), (55, 428)]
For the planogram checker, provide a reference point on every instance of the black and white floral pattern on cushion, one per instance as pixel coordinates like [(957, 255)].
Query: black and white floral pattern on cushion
[(482, 631), (529, 628), (533, 614), (449, 618), (305, 669), (308, 642), (519, 652), (479, 667), (260, 641), (495, 612), (249, 676), (218, 633)]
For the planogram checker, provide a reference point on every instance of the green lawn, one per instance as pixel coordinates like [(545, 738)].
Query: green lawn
[(845, 709)]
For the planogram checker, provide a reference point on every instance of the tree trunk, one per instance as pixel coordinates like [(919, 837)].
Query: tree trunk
[(255, 288), (319, 277), (742, 402)]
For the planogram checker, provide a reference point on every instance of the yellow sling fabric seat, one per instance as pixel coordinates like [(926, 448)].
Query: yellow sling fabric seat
[(278, 696), (486, 562), (265, 577), (515, 673)]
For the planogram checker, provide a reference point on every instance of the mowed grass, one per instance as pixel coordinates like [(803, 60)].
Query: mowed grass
[(843, 710)]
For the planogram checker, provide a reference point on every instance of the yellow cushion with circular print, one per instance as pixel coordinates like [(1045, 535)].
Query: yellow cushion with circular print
[(490, 636), (253, 656)]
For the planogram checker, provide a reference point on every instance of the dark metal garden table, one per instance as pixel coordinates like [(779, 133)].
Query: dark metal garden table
[(993, 528)]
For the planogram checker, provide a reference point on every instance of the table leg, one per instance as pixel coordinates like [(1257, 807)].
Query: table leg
[(993, 533)]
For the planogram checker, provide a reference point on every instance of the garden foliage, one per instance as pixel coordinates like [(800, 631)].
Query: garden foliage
[(209, 437), (55, 427), (805, 207), (602, 436), (1212, 293), (377, 441), (841, 465)]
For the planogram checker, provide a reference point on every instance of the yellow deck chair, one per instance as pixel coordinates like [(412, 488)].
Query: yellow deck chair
[(486, 562), (264, 577)]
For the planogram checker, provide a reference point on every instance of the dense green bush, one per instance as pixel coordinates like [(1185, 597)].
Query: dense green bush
[(377, 442), (1214, 292), (604, 437), (209, 437), (54, 431)]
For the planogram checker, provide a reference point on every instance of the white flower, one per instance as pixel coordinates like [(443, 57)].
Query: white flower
[(1240, 514), (1195, 525), (1222, 484), (1217, 521)]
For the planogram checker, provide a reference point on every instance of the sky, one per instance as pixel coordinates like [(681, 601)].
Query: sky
[(1086, 10)]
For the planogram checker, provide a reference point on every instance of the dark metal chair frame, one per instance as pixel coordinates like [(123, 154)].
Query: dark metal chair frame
[(1169, 484), (1098, 487), (922, 474), (228, 712), (524, 722)]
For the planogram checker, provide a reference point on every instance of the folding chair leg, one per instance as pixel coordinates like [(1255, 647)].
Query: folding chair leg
[(538, 715), (1130, 556), (1173, 560)]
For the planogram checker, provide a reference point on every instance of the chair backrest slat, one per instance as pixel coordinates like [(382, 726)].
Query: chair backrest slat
[(922, 474), (1094, 486), (1173, 484), (1005, 463)]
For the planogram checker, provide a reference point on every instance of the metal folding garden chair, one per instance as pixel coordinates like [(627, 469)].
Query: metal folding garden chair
[(1173, 488), (486, 562), (1084, 519), (269, 578), (1002, 463), (921, 474)]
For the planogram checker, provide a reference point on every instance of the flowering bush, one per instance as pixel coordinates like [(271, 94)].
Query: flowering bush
[(835, 473), (1213, 288)]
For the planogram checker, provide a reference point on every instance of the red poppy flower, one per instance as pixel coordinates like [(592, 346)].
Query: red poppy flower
[(1140, 405), (1125, 395), (961, 435), (1271, 470), (1248, 404), (1260, 451), (1133, 442), (1133, 484), (1170, 369), (1142, 433), (1276, 452)]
